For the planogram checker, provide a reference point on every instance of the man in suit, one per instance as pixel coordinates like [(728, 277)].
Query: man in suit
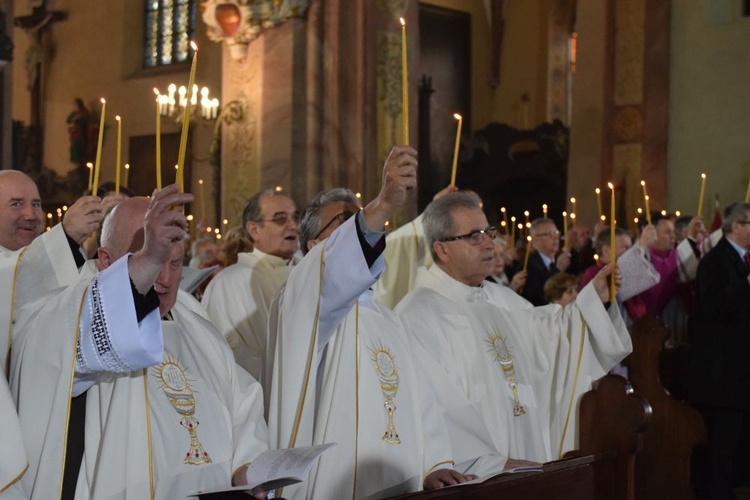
[(544, 261), (719, 369)]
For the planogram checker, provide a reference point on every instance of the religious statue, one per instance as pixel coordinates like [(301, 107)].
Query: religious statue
[(81, 137)]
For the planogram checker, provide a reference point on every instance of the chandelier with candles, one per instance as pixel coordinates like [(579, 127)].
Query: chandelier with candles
[(173, 103)]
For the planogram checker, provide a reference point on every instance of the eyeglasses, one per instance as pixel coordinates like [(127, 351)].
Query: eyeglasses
[(341, 218), (283, 219), (551, 234), (474, 237)]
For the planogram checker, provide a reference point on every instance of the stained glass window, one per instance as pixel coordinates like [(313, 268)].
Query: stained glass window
[(168, 28)]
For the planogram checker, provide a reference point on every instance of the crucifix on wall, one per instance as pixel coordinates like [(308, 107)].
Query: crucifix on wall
[(37, 25)]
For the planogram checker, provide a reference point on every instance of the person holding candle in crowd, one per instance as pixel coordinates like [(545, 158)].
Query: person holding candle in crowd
[(518, 395), (545, 259)]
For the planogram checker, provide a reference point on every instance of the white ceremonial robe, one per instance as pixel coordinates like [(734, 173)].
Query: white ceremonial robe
[(165, 431), (479, 349), (13, 463), (26, 274), (406, 251), (238, 299), (340, 392)]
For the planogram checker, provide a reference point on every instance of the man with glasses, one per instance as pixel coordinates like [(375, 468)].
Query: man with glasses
[(719, 370), (509, 375), (238, 298), (343, 369), (544, 260)]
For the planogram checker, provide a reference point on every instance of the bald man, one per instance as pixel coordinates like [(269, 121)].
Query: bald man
[(165, 412)]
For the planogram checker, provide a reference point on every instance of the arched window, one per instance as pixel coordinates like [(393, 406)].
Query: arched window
[(168, 28)]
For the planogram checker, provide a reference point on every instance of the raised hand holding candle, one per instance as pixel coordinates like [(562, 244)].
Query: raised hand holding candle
[(186, 122), (158, 135), (612, 256), (455, 150), (404, 83), (98, 162), (700, 199), (118, 157)]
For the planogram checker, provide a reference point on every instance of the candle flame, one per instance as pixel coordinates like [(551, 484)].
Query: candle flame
[(603, 217), (610, 185), (643, 183), (189, 217), (402, 21), (457, 116), (117, 118), (89, 165), (49, 215), (664, 212), (520, 226), (103, 100), (528, 238), (127, 166), (526, 213), (597, 190), (502, 209), (565, 214), (194, 46), (513, 218), (225, 222), (572, 200), (677, 213), (703, 176), (647, 198), (156, 91), (200, 181)]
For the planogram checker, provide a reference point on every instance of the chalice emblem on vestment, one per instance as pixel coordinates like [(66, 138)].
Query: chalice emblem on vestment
[(385, 367), (180, 395), (504, 357)]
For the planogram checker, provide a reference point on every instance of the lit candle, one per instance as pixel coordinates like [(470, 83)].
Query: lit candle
[(98, 162), (127, 175), (203, 199), (90, 166), (526, 216), (612, 257), (573, 203), (700, 199), (158, 135), (505, 218), (191, 226), (646, 199), (565, 230), (49, 220), (513, 231), (528, 252), (118, 156), (404, 83), (177, 175), (599, 202), (455, 149), (186, 122), (59, 215), (544, 210), (520, 230)]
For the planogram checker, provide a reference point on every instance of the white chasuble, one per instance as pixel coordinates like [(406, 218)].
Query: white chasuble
[(360, 390), (513, 374), (238, 299), (406, 251), (184, 424), (13, 463), (25, 275)]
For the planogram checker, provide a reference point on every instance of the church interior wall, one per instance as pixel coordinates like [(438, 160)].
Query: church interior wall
[(709, 114), (97, 53)]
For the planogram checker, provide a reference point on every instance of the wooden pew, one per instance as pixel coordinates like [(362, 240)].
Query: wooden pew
[(613, 420), (663, 468)]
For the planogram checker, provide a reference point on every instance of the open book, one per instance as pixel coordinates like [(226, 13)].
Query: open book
[(274, 469)]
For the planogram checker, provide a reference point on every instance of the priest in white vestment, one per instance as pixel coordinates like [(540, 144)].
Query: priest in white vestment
[(167, 411), (504, 369), (343, 370), (238, 298)]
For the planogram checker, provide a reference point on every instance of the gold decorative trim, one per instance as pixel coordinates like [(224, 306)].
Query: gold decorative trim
[(15, 479), (12, 308), (70, 388), (573, 392), (148, 430)]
